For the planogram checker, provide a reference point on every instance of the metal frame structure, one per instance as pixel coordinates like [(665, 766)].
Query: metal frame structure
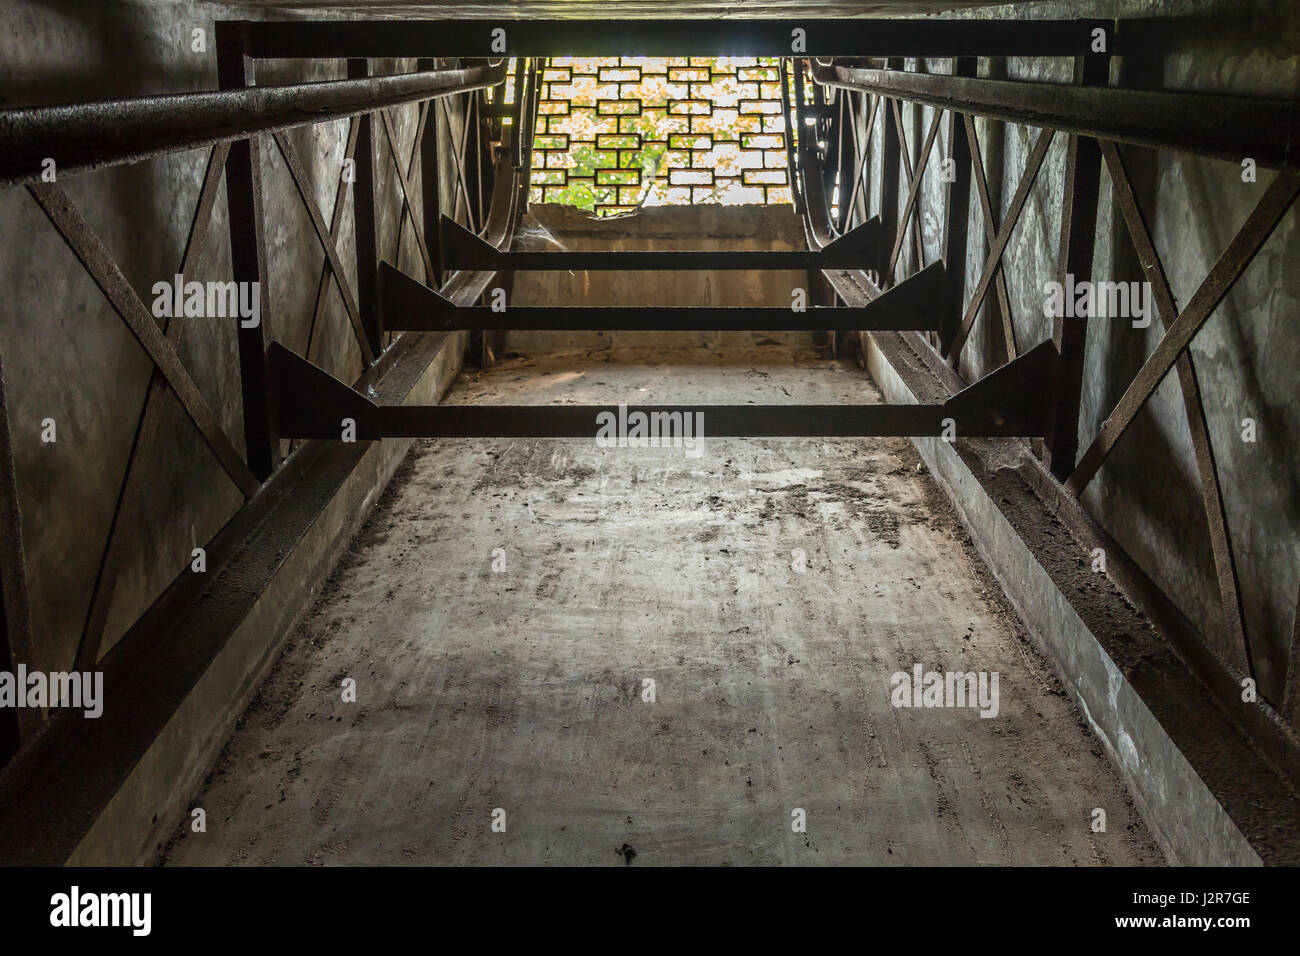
[(1035, 395), (233, 124), (1098, 120)]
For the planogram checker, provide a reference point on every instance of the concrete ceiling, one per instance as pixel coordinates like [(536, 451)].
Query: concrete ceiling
[(618, 9)]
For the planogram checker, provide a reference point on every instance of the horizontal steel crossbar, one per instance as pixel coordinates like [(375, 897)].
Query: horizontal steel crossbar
[(912, 305), (853, 250), (1013, 401), (685, 37)]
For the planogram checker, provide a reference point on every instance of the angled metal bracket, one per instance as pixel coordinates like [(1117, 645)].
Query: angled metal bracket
[(859, 248), (410, 306), (1013, 401)]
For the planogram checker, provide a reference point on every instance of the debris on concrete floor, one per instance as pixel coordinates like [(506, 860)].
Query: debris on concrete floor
[(561, 652)]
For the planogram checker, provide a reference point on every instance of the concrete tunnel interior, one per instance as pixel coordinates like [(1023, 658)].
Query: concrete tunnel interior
[(516, 434)]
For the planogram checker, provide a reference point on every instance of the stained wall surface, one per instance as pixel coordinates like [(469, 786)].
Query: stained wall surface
[(1147, 495), (69, 357)]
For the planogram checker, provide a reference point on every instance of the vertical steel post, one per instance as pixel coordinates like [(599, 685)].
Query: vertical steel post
[(891, 153), (363, 213), (430, 181), (1078, 234), (956, 219), (248, 258)]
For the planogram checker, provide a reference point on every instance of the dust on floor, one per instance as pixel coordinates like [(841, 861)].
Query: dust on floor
[(509, 601)]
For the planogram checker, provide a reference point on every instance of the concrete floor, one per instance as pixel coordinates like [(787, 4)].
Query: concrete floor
[(522, 689)]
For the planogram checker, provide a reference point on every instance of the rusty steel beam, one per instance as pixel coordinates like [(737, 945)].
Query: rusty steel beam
[(1259, 225), (861, 156), (364, 224), (236, 71), (1226, 127), (990, 220), (681, 37), (430, 179), (298, 173), (457, 155), (126, 510), (844, 128), (336, 230), (473, 155), (85, 136), (408, 191), (909, 179), (913, 304), (310, 403), (89, 249), (1078, 236), (890, 159), (956, 217), (913, 192), (1032, 165), (1225, 565)]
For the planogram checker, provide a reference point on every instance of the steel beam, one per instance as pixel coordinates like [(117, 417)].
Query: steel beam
[(912, 305), (956, 217), (1227, 127), (405, 180), (914, 178), (310, 403), (128, 509), (298, 173), (1254, 232), (86, 136), (430, 182), (681, 37), (909, 180), (336, 231), (990, 236), (1198, 427), (107, 275), (236, 72), (1078, 236), (891, 161), (994, 261), (364, 224), (855, 249)]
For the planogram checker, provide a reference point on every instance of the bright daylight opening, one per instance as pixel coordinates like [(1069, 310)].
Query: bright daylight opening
[(616, 133)]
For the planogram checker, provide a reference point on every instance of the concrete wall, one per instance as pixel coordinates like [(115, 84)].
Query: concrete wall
[(68, 356), (1147, 495)]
